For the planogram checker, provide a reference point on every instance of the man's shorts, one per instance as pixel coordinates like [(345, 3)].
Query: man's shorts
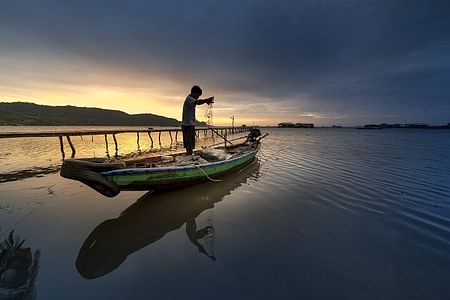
[(188, 137)]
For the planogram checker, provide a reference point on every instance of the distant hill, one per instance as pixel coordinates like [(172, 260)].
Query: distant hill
[(24, 113)]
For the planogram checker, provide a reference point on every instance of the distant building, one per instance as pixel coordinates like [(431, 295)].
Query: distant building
[(286, 125), (370, 126), (417, 125), (304, 125), (296, 125), (410, 125), (395, 126)]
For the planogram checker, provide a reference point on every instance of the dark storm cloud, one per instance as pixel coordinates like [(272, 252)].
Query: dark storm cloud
[(365, 59)]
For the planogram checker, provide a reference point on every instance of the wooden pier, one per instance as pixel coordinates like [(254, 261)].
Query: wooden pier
[(173, 133)]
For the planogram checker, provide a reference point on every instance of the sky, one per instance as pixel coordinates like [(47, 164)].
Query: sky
[(328, 62)]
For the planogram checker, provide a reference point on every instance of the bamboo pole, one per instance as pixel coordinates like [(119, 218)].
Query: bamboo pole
[(215, 131), (217, 144)]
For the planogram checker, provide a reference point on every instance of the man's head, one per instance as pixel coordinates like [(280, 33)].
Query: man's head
[(196, 91)]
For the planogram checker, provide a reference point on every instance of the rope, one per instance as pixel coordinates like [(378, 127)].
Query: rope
[(18, 222), (214, 180), (263, 155)]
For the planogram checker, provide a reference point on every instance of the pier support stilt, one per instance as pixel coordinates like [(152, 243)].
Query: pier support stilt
[(61, 145), (71, 146), (106, 145), (137, 141), (116, 146), (225, 139), (151, 139)]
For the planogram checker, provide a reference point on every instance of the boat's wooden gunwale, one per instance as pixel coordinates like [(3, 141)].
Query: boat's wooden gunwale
[(130, 171), (179, 177)]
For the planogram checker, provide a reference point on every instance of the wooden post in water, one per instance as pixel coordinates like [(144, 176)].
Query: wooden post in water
[(71, 145), (176, 137), (151, 139), (171, 139), (137, 141), (106, 144), (61, 145), (225, 139), (115, 145), (232, 124), (159, 138)]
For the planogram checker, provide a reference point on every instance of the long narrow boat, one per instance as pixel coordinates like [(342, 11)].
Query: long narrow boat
[(160, 172)]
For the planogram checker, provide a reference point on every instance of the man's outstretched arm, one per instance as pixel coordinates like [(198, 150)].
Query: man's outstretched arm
[(203, 101)]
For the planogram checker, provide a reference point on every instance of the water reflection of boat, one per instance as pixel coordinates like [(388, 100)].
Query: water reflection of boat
[(18, 269), (150, 218)]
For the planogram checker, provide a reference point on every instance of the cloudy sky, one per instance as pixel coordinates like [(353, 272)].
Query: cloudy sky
[(323, 61)]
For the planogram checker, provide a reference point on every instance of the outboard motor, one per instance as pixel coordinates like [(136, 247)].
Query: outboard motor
[(253, 135)]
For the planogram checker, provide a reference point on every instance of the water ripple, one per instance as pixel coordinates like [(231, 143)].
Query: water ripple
[(405, 180)]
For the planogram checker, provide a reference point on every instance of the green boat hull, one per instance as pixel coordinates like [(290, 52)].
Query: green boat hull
[(167, 178)]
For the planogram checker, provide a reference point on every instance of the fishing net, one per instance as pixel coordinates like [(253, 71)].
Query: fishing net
[(209, 115)]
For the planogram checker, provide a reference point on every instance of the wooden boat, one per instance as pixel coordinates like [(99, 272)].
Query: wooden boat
[(158, 173)]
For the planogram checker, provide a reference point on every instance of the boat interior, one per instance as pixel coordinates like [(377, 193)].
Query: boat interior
[(200, 156)]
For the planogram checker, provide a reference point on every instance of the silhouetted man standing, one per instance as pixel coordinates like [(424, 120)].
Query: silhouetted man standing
[(188, 120)]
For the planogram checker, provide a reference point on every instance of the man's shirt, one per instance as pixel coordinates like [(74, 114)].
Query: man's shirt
[(189, 111)]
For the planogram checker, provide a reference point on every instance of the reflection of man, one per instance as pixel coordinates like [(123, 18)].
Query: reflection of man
[(195, 235), (188, 120)]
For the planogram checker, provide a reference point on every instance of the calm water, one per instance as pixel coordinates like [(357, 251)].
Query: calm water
[(322, 214)]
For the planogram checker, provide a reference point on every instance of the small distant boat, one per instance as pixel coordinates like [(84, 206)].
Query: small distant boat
[(161, 172)]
